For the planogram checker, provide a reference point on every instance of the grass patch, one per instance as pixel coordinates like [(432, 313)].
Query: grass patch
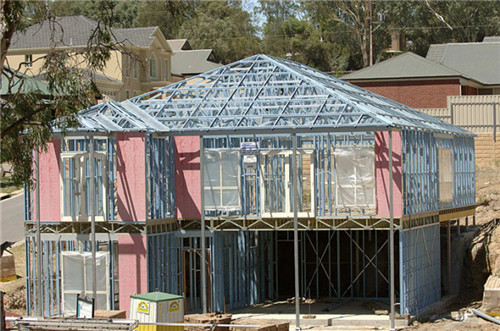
[(7, 185)]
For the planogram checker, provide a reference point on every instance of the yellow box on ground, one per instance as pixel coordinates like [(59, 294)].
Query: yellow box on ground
[(157, 307)]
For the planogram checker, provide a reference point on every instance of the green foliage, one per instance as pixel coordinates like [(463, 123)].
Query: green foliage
[(168, 15), (27, 114), (285, 35), (347, 23), (224, 27)]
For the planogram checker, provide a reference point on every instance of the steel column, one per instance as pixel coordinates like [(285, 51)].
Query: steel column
[(391, 235), (295, 232), (92, 218), (203, 244), (38, 237), (448, 252)]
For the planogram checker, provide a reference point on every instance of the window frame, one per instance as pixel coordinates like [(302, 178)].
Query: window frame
[(354, 186), (153, 67), (288, 207), (28, 59), (126, 65), (136, 70), (107, 256), (221, 187), (82, 156), (441, 174)]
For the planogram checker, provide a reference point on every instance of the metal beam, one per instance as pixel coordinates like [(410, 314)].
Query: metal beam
[(296, 232), (391, 235), (38, 238), (259, 93), (92, 198), (203, 244)]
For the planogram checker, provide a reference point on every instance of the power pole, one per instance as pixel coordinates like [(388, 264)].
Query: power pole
[(371, 34)]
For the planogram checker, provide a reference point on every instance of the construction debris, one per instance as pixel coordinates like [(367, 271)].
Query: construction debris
[(485, 316), (211, 318), (264, 325), (66, 324)]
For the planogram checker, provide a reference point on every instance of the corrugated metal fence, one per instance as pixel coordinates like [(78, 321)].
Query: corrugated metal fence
[(476, 113)]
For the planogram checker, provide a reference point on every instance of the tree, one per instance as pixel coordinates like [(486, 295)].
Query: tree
[(289, 33), (224, 27), (168, 15), (421, 22), (346, 22), (27, 114), (276, 40), (470, 21)]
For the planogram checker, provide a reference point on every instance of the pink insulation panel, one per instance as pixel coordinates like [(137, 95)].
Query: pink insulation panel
[(382, 173), (132, 267), (50, 183), (131, 176), (187, 177)]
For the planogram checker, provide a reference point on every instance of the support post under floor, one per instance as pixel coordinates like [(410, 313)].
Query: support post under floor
[(448, 251), (295, 232)]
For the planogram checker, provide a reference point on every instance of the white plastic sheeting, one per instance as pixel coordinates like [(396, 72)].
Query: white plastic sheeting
[(355, 175), (446, 174), (77, 279), (222, 179)]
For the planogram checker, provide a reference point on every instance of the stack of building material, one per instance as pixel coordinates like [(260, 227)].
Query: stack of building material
[(110, 314), (211, 319), (264, 325)]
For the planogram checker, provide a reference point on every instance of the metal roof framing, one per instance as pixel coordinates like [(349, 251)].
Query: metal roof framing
[(259, 94)]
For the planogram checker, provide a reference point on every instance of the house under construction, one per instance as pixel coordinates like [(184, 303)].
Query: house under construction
[(241, 155)]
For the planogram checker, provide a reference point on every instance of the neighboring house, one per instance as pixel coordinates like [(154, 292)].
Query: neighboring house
[(448, 69), (177, 45), (142, 65), (457, 82), (20, 83), (173, 167), (188, 62)]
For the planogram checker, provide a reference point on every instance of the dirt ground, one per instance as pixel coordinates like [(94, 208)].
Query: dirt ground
[(473, 323), (15, 298), (487, 194)]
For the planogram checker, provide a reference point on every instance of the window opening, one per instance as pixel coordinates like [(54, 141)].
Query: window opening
[(446, 174), (152, 67), (28, 59), (75, 175), (222, 181), (77, 279), (277, 172), (355, 168)]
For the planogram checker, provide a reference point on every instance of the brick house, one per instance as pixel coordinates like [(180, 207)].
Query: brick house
[(455, 69)]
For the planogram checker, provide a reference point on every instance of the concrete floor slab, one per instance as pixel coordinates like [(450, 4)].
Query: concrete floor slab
[(323, 314)]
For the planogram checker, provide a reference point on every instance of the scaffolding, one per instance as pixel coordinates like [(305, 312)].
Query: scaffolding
[(310, 128)]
